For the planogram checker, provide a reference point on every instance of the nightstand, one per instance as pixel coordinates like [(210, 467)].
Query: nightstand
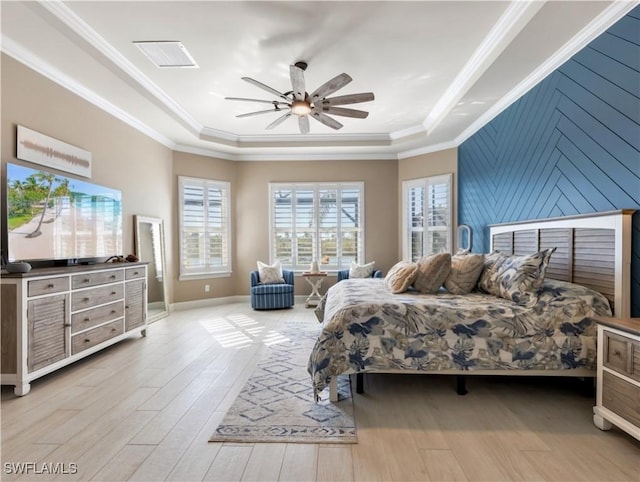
[(618, 390), (315, 280)]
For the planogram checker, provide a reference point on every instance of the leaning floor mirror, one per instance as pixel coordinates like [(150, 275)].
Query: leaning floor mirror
[(149, 243)]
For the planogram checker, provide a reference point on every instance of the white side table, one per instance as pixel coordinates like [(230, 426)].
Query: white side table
[(315, 280)]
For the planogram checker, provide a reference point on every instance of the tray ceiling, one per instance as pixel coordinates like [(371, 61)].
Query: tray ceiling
[(439, 70)]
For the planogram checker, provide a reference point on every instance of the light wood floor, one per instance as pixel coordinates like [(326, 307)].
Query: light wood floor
[(144, 409)]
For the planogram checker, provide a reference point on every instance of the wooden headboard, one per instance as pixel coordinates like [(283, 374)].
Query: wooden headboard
[(592, 250)]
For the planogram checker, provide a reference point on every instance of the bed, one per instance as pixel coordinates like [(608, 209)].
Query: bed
[(367, 329)]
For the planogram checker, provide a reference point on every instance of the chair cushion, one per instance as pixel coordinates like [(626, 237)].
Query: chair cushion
[(271, 289)]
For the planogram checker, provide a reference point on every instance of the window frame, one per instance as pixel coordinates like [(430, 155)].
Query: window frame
[(209, 271), (316, 187), (424, 183)]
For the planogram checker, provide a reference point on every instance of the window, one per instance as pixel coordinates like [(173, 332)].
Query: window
[(205, 234), (427, 216), (321, 221)]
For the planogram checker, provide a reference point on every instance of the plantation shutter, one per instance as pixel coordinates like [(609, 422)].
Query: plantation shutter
[(321, 221), (204, 227), (428, 216), (282, 230)]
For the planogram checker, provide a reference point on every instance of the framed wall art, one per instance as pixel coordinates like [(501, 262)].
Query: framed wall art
[(40, 149)]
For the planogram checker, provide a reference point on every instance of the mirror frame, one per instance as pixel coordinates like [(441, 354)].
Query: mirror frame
[(138, 221)]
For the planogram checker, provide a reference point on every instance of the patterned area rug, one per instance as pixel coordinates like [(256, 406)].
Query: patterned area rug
[(276, 404)]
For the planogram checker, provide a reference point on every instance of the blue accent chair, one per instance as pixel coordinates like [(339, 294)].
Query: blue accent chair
[(271, 297), (344, 274)]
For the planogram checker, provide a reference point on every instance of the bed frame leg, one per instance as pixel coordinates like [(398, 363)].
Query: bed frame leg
[(359, 382), (588, 387), (461, 384), (333, 389)]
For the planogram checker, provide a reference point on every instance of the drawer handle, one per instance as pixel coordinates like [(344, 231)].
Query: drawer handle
[(616, 353), (87, 340), (50, 285), (135, 273), (67, 324), (113, 293), (85, 299), (113, 276), (86, 280), (113, 330), (113, 312), (87, 319)]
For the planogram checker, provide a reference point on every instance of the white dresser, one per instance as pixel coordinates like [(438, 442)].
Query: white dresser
[(54, 316)]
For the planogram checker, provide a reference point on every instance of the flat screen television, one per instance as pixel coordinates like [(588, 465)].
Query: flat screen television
[(51, 217)]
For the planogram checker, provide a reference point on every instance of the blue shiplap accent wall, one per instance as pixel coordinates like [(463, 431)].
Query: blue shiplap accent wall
[(571, 145)]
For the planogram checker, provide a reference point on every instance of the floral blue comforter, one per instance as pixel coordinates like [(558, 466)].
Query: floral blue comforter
[(366, 328)]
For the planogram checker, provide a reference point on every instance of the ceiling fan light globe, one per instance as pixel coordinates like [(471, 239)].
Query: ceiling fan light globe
[(300, 107)]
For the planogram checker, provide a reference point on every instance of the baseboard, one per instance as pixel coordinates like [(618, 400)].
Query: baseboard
[(225, 300)]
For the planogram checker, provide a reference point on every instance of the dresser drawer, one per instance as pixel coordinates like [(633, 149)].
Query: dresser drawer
[(96, 316), (96, 296), (133, 273), (46, 286), (86, 340), (94, 279), (621, 354), (621, 397)]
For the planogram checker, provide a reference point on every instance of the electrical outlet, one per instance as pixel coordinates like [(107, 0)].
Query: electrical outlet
[(207, 288)]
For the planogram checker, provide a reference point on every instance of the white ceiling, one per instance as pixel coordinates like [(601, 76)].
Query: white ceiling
[(439, 70)]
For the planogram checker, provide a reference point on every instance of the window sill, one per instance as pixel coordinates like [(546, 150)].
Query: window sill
[(195, 276)]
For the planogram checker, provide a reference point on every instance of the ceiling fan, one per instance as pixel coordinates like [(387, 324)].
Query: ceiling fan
[(304, 105)]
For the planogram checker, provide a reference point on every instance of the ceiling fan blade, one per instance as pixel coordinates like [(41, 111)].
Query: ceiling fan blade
[(347, 99), (278, 121), (330, 87), (249, 114), (257, 100), (359, 114), (303, 123), (297, 82), (265, 87), (325, 119)]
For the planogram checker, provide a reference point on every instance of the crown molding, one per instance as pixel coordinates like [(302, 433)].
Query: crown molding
[(310, 140), (409, 131), (427, 149), (325, 156), (511, 22), (25, 57), (65, 15), (291, 154), (596, 27), (201, 151)]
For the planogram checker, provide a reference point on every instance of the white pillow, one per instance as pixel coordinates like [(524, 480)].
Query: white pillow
[(361, 270), (270, 275)]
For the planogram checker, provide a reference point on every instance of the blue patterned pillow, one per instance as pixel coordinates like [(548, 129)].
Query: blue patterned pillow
[(515, 278)]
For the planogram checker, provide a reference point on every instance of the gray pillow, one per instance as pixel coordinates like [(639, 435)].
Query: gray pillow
[(515, 278), (465, 271), (432, 272)]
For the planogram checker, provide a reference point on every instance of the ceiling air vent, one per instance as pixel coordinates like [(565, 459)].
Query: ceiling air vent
[(167, 54)]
